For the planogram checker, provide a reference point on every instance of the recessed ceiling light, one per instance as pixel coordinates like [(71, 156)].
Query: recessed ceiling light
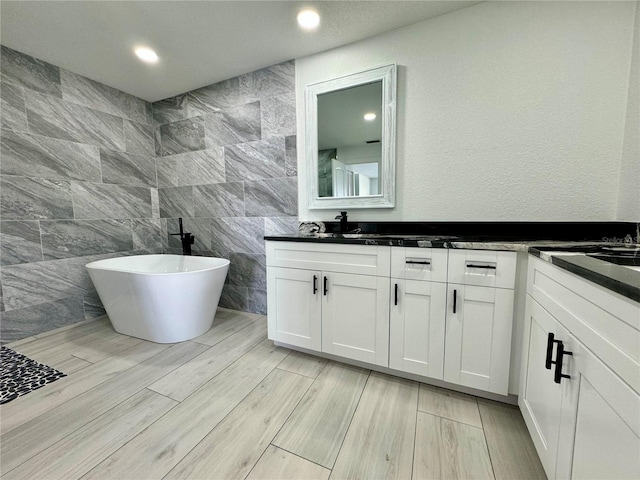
[(369, 117), (146, 54), (308, 19)]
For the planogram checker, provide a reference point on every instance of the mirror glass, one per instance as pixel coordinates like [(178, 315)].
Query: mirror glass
[(350, 140)]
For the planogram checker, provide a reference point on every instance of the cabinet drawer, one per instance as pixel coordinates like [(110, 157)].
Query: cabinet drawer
[(608, 324), (483, 268), (428, 264), (359, 259)]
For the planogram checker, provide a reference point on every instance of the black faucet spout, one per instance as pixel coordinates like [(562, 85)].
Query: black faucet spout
[(344, 226), (186, 238)]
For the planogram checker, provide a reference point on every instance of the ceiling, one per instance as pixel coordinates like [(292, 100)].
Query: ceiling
[(198, 42)]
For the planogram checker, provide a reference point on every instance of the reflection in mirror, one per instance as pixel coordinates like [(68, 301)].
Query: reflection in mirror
[(350, 140)]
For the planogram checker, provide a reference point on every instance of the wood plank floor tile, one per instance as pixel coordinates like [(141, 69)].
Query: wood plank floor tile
[(60, 359), (40, 433), (449, 450), (105, 347), (513, 455), (317, 427), (38, 402), (159, 448), (62, 335), (279, 464), (224, 325), (77, 453), (303, 364), (449, 404), (183, 381), (379, 442), (232, 449)]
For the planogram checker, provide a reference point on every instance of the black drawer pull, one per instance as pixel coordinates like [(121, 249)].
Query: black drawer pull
[(395, 302), (490, 267), (558, 375), (416, 262), (455, 300), (315, 284), (325, 286), (550, 342)]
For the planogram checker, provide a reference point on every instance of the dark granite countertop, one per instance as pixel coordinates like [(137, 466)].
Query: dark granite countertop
[(618, 278)]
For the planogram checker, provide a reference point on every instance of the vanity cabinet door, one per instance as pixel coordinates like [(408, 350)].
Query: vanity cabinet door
[(294, 307), (478, 337), (417, 324), (355, 317)]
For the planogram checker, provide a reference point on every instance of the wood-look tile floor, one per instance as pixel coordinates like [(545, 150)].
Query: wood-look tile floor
[(231, 405)]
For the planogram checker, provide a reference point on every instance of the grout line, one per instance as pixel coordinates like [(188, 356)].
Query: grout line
[(415, 433), (299, 456), (486, 442)]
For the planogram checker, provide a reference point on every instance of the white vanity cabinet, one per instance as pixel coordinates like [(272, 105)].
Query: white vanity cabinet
[(330, 298), (417, 314), (479, 319), (581, 408)]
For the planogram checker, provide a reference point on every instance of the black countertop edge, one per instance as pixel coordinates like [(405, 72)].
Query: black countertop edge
[(617, 278)]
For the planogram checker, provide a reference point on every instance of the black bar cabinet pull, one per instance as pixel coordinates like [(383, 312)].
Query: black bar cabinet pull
[(315, 284), (395, 302), (416, 262), (325, 286), (550, 342), (455, 300), (558, 375), (471, 265)]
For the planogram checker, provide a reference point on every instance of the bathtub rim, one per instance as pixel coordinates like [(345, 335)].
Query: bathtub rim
[(93, 265)]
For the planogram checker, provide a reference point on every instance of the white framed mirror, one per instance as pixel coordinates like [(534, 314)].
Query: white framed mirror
[(351, 140)]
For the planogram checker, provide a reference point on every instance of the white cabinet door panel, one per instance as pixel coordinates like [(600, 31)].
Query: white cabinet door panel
[(294, 310), (417, 323), (478, 337), (355, 317)]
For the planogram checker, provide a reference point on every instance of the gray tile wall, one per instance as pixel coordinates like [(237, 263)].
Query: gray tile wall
[(77, 184), (226, 163)]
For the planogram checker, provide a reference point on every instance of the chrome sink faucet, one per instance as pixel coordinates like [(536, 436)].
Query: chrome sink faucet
[(343, 222), (186, 238)]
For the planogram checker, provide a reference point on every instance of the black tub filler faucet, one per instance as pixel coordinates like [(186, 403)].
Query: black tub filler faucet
[(186, 238)]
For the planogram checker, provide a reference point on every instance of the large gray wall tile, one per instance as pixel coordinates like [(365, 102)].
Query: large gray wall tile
[(234, 297), (257, 300), (171, 109), (13, 114), (176, 202), (127, 168), (219, 200), (233, 125), (76, 238), (92, 94), (23, 198), (96, 201), (274, 197), (17, 324), (56, 118), (25, 71), (191, 168), (138, 138), (291, 156), (278, 116), (93, 307), (183, 136), (20, 242), (248, 270), (218, 96), (255, 160), (238, 235), (147, 233), (269, 82), (38, 156), (280, 225)]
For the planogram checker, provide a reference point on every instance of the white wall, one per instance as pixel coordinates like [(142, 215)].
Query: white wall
[(506, 111), (629, 189)]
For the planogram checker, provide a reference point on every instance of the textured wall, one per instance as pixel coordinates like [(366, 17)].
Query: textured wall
[(78, 183), (226, 163), (506, 111)]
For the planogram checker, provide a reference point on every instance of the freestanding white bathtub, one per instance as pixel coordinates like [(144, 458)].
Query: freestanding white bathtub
[(161, 298)]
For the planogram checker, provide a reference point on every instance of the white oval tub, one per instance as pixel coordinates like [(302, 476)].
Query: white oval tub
[(161, 298)]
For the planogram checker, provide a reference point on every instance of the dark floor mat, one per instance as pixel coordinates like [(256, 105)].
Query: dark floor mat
[(20, 375)]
